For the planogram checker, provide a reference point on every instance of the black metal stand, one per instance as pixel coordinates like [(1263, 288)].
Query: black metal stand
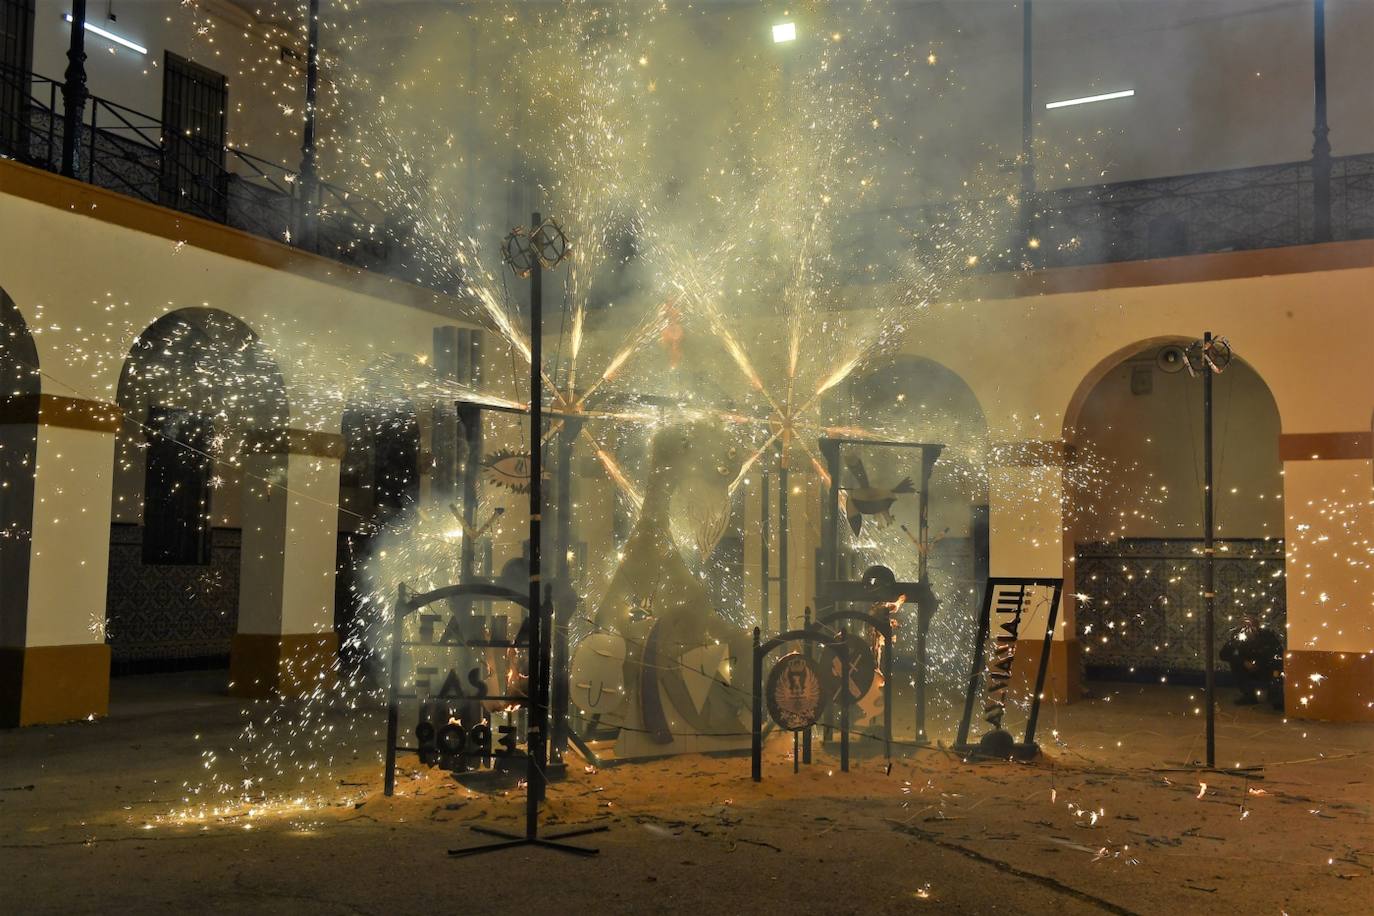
[(883, 625), (1208, 557), (999, 743), (833, 591), (761, 650)]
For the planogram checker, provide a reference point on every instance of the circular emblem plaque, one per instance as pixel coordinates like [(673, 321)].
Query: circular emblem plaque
[(794, 692)]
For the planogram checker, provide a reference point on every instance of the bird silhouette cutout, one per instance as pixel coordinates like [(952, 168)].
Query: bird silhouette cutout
[(866, 499)]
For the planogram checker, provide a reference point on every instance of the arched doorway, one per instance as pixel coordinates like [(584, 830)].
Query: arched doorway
[(19, 393), (198, 394), (379, 487), (1134, 525), (909, 398)]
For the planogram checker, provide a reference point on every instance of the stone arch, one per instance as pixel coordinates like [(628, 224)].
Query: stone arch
[(200, 396), (915, 398), (1133, 512), (20, 387)]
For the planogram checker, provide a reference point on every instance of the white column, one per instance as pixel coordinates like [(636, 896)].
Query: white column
[(286, 641), (1026, 538), (54, 663), (1328, 501)]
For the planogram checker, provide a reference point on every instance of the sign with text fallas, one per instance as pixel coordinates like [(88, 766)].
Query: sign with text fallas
[(467, 674)]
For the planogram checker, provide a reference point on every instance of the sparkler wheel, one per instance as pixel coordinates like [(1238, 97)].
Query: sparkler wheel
[(519, 252), (550, 243), (1204, 358)]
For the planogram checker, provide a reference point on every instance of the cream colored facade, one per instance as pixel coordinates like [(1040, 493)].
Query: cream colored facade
[(1302, 318)]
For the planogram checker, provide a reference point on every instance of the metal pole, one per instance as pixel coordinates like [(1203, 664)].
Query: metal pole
[(393, 712), (470, 418), (765, 539), (757, 730), (828, 568), (844, 700), (889, 691), (920, 679), (806, 739), (536, 724), (1208, 564), (1027, 127), (1321, 147), (566, 595), (1044, 666), (74, 93), (306, 230), (782, 542)]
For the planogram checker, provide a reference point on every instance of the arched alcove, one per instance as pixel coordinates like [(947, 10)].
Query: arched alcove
[(379, 486), (19, 393), (913, 399), (1134, 519), (199, 394)]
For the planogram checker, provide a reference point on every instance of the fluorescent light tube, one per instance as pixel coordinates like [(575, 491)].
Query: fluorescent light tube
[(784, 31), (1123, 94), (110, 36)]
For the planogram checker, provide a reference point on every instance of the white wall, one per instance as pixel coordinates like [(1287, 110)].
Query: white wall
[(266, 93), (1145, 452)]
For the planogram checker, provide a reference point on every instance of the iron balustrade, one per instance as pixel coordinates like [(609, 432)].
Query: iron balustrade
[(124, 150), (1233, 210)]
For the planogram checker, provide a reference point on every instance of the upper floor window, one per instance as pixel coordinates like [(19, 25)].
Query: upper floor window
[(194, 100)]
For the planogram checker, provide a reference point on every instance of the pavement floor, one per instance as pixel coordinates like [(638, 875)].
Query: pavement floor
[(185, 801)]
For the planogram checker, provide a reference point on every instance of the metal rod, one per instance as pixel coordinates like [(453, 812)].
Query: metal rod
[(74, 93), (393, 712), (535, 745), (566, 596), (976, 666), (1321, 146), (1044, 665), (1027, 125), (783, 623), (806, 739), (828, 568), (756, 731), (470, 416), (888, 692), (307, 228), (1208, 561), (920, 677), (844, 700), (765, 539)]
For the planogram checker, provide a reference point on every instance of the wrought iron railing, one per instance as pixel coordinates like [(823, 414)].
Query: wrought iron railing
[(125, 150), (1139, 601), (1262, 207), (1239, 209)]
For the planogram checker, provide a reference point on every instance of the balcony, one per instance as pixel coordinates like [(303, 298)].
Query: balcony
[(1267, 206), (126, 151)]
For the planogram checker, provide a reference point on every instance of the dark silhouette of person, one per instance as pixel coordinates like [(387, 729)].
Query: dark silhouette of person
[(1255, 654)]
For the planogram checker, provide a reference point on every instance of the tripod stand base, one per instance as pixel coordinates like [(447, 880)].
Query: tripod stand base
[(513, 840)]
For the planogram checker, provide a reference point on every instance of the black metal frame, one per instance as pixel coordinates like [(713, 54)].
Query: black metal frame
[(883, 624), (536, 776), (832, 590), (761, 651), (121, 149), (1027, 747)]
